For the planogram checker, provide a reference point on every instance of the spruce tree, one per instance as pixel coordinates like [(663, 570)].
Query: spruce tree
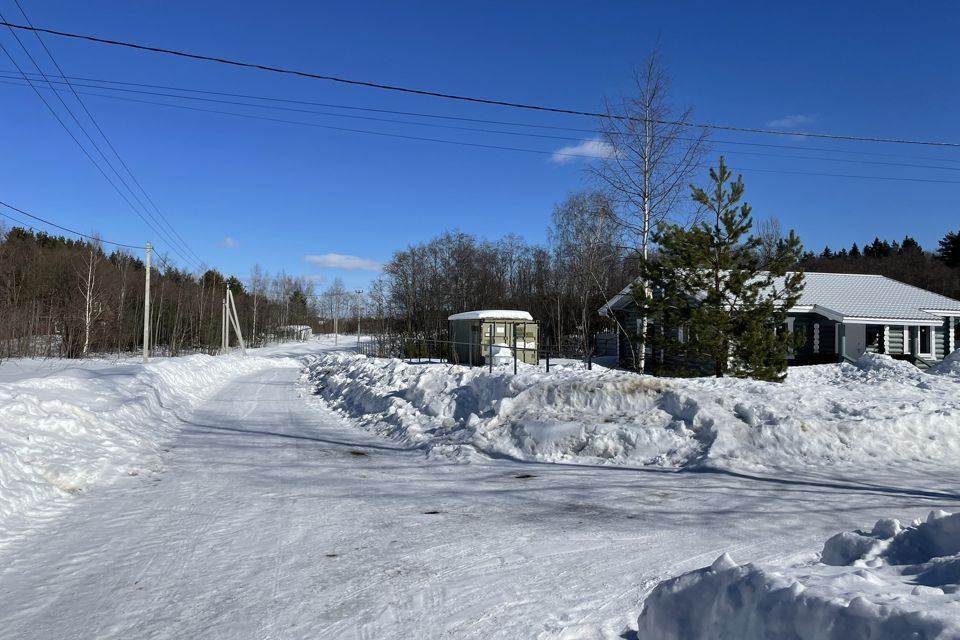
[(949, 249), (712, 303)]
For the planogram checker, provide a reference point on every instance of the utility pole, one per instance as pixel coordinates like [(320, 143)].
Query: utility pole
[(336, 317), (225, 328), (146, 311), (235, 319), (358, 292)]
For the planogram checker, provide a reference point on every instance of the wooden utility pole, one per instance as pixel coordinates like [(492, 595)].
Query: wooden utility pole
[(359, 292), (146, 311), (336, 317), (224, 328), (234, 319)]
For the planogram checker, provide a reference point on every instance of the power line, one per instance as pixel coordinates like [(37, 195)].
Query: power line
[(67, 229), (471, 99), (421, 114), (483, 130), (502, 147), (529, 151), (74, 137), (159, 257), (103, 135), (325, 104)]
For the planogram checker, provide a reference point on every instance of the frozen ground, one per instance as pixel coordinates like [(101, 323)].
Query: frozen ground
[(270, 515)]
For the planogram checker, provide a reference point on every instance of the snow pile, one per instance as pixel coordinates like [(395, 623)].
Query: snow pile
[(949, 366), (888, 584), (880, 409), (567, 414), (68, 429)]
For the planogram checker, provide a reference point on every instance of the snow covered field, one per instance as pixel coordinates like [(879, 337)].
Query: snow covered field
[(373, 499)]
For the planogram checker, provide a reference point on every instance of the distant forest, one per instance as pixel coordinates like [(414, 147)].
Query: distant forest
[(68, 298)]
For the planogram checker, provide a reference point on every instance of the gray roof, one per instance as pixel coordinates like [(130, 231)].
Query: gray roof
[(853, 296)]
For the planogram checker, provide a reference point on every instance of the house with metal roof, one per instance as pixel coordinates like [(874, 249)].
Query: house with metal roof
[(843, 316)]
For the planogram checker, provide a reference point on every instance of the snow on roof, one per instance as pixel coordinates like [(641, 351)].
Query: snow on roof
[(492, 314), (875, 297), (849, 296)]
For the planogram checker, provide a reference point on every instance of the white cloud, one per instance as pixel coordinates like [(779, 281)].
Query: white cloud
[(229, 243), (338, 261), (792, 122), (316, 278), (593, 148)]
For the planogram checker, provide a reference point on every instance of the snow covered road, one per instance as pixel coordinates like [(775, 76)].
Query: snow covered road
[(273, 517)]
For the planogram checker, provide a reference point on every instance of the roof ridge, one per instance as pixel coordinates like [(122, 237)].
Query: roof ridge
[(844, 273)]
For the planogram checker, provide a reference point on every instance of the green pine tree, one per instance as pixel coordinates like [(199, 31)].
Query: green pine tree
[(713, 304)]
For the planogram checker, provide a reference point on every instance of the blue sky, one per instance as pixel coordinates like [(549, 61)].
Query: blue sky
[(247, 191)]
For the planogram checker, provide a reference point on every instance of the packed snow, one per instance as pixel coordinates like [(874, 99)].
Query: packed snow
[(889, 583), (229, 497), (879, 409), (67, 425)]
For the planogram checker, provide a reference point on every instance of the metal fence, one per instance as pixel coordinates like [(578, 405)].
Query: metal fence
[(430, 350)]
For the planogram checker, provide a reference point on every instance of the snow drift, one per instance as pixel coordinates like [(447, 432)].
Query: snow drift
[(70, 428), (880, 409), (890, 583)]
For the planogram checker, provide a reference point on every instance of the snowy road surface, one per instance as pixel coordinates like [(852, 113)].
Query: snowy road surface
[(275, 518)]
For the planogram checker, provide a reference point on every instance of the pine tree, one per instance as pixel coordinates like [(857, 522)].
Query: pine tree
[(711, 302), (949, 249)]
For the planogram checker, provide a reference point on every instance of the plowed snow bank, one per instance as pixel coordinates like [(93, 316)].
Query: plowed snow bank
[(63, 431), (880, 409), (886, 584)]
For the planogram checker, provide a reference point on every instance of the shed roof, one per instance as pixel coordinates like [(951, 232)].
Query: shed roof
[(854, 296), (492, 314)]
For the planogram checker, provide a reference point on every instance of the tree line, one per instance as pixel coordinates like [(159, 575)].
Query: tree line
[(61, 297), (936, 270), (562, 282)]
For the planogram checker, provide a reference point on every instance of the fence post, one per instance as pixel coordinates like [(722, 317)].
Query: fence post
[(514, 331), (548, 359), (590, 360), (490, 349)]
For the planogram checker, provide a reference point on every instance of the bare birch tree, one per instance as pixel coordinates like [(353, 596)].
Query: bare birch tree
[(90, 292), (258, 286), (654, 151)]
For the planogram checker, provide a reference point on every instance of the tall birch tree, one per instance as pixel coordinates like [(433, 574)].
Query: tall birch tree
[(654, 150)]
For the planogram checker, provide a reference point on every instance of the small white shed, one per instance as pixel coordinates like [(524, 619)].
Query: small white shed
[(497, 333)]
